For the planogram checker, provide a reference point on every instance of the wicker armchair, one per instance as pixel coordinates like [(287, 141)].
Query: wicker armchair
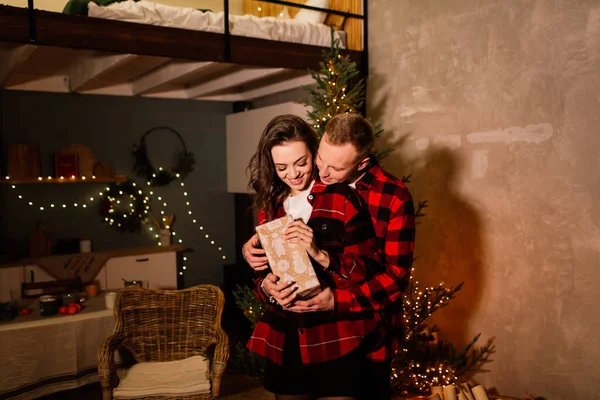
[(166, 325)]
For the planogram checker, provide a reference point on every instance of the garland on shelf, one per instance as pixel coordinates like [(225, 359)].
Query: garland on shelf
[(124, 206), (144, 168)]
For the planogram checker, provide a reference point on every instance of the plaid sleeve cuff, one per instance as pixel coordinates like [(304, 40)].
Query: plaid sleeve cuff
[(344, 265), (334, 262), (258, 290)]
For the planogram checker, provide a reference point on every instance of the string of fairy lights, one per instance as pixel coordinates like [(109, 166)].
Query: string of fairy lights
[(420, 303), (89, 201), (189, 213)]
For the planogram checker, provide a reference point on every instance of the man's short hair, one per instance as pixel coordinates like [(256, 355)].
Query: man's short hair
[(351, 128)]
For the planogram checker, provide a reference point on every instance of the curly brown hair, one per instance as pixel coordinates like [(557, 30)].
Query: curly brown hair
[(270, 190)]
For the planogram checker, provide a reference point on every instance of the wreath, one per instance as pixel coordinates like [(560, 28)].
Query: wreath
[(144, 168), (124, 206)]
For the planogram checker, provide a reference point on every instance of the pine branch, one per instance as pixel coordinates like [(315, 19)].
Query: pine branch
[(420, 206), (248, 362), (246, 300)]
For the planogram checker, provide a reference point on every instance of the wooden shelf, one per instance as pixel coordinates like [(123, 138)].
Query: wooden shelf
[(116, 178)]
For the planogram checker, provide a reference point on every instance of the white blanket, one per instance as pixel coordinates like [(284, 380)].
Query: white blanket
[(279, 29)]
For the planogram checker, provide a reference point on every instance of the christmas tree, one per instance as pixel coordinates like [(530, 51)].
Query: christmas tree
[(337, 90), (422, 361)]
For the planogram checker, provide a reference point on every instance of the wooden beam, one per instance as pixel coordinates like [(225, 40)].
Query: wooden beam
[(89, 68), (231, 80), (53, 83), (120, 89), (293, 83), (168, 94), (12, 59), (267, 90), (230, 98), (168, 73)]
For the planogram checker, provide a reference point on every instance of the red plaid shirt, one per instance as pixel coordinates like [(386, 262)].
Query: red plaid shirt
[(392, 211), (344, 228)]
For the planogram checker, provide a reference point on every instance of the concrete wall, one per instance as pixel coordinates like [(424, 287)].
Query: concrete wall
[(494, 108)]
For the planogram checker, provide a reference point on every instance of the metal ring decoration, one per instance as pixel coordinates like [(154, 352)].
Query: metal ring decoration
[(163, 176)]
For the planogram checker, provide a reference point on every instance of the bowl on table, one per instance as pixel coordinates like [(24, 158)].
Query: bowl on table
[(49, 305)]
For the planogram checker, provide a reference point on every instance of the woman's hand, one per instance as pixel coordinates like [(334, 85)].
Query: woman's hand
[(284, 293), (299, 233), (254, 256)]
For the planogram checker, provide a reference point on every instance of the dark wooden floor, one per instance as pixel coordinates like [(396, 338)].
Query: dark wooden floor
[(234, 386)]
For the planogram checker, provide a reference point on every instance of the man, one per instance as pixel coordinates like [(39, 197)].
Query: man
[(344, 156)]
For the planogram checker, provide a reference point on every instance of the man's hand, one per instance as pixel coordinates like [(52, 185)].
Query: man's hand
[(322, 302), (254, 256), (284, 292)]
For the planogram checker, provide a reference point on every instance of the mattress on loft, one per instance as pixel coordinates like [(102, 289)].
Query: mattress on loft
[(270, 28)]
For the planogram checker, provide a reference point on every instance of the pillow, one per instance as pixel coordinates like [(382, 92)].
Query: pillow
[(186, 377), (316, 17)]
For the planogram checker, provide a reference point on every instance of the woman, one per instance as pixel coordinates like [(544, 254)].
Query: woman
[(314, 355)]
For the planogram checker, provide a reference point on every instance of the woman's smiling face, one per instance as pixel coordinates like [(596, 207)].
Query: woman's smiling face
[(293, 163)]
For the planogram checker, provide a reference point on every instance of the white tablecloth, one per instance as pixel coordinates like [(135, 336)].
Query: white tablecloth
[(42, 355)]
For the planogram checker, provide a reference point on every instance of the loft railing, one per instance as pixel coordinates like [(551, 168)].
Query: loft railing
[(32, 30)]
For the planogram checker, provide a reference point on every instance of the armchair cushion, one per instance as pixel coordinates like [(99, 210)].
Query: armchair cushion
[(185, 377)]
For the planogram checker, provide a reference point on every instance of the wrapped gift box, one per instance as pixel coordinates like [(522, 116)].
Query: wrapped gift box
[(288, 261)]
